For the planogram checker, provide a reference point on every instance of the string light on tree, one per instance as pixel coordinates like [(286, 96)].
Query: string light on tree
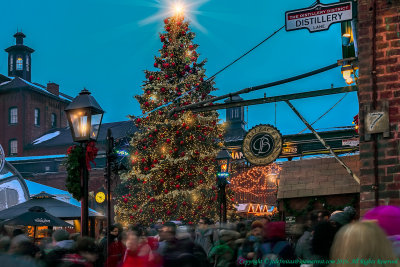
[(172, 176)]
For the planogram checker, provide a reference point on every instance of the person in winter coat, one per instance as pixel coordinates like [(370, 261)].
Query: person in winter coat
[(249, 249), (275, 246), (205, 235), (115, 248), (86, 254), (223, 253), (138, 253)]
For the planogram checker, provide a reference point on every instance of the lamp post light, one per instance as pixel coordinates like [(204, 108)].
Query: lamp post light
[(223, 159), (84, 116)]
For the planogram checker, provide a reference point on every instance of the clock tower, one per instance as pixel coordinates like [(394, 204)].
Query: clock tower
[(19, 58)]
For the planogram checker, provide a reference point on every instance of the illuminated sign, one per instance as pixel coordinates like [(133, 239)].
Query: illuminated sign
[(262, 145)]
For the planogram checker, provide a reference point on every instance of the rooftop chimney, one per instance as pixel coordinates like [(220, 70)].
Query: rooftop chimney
[(53, 88)]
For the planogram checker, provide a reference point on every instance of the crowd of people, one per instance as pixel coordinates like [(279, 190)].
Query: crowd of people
[(326, 240)]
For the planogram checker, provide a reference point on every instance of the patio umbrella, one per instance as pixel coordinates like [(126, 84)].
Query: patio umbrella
[(36, 216)]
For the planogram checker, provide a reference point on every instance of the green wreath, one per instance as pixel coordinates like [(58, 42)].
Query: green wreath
[(73, 166)]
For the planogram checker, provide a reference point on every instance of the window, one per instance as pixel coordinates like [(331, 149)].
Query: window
[(236, 113), (27, 62), (53, 118), (13, 115), (37, 116), (19, 63), (13, 147), (11, 62)]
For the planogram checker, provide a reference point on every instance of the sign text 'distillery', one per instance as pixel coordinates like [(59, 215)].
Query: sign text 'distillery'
[(319, 17)]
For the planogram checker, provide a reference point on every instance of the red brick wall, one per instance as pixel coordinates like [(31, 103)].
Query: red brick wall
[(387, 58), (25, 131)]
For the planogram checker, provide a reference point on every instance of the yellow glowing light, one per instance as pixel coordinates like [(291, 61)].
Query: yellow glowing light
[(349, 80), (178, 8)]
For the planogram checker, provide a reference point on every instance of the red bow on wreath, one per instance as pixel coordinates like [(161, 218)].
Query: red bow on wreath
[(91, 153)]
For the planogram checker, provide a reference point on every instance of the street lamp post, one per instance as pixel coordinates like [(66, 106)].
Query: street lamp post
[(223, 159), (84, 118)]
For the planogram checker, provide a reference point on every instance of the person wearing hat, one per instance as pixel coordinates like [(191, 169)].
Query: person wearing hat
[(388, 219), (223, 253)]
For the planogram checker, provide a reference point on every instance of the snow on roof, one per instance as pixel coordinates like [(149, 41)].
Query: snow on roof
[(36, 188), (34, 157), (6, 175), (63, 97), (46, 137), (241, 207), (4, 83), (16, 185)]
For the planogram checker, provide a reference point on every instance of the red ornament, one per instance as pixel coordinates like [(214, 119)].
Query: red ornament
[(178, 177), (152, 199), (158, 78), (175, 115), (125, 200), (194, 58), (175, 149), (168, 212), (168, 141), (153, 209), (177, 132), (164, 46), (201, 181), (181, 169), (168, 29), (181, 45), (171, 55), (179, 23), (166, 76), (182, 154), (131, 216), (151, 77), (143, 160), (155, 64), (155, 161), (161, 180), (162, 38), (166, 21), (163, 90), (166, 191), (183, 32), (179, 93), (184, 203), (191, 184), (173, 64), (182, 142), (134, 206), (138, 120), (177, 186), (205, 168), (187, 68)]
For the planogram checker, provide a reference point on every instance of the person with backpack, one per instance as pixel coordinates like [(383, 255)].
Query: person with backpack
[(275, 247)]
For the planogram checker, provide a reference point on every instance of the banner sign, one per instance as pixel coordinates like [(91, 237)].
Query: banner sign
[(262, 145), (319, 17)]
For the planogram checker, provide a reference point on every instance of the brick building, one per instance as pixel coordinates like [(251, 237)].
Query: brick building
[(379, 90), (28, 109), (317, 183)]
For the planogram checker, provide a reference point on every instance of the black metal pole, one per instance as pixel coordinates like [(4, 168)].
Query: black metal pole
[(224, 204), (85, 192)]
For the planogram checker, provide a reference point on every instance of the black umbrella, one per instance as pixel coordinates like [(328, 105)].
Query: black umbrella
[(36, 216)]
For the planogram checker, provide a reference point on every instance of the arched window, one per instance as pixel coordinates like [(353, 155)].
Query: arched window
[(13, 147), (37, 116), (19, 63), (11, 62), (13, 115), (53, 118), (27, 62)]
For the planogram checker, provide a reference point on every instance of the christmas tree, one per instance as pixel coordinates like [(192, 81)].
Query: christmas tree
[(173, 173)]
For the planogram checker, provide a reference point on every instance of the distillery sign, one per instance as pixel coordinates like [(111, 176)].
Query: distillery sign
[(318, 17)]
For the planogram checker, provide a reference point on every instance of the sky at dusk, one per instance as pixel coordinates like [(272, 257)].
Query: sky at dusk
[(104, 46)]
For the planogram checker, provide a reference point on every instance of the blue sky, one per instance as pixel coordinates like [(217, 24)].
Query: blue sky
[(104, 45)]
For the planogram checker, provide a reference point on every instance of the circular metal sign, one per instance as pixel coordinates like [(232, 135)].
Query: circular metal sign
[(262, 145), (2, 158)]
